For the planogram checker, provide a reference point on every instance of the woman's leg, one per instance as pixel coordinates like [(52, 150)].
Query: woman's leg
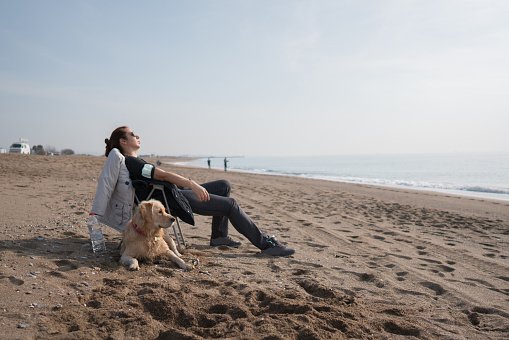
[(219, 222), (224, 208)]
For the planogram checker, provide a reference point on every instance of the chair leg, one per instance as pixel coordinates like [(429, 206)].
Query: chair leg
[(180, 233), (119, 244), (177, 235)]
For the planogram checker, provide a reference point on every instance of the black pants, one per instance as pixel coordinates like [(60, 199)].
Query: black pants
[(222, 208)]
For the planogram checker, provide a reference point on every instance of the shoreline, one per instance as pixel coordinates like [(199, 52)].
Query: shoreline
[(413, 195), (469, 190), (372, 262)]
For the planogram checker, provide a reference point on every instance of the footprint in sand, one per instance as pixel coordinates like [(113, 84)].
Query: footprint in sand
[(475, 314), (275, 268), (484, 283), (400, 256), (344, 230), (394, 328), (371, 278), (430, 260), (66, 265), (316, 289), (58, 274), (13, 280), (446, 269), (300, 271), (316, 245), (410, 292), (401, 276), (438, 289)]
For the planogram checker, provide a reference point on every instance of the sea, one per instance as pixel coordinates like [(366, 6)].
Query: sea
[(476, 175)]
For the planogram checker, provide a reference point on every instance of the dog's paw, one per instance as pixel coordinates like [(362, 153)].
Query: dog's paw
[(134, 266), (187, 267)]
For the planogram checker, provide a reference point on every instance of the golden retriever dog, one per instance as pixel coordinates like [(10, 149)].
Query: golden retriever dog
[(145, 238)]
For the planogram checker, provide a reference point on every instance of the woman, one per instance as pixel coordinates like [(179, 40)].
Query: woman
[(115, 196)]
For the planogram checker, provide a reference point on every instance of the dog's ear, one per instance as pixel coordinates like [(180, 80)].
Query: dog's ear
[(137, 218), (146, 211)]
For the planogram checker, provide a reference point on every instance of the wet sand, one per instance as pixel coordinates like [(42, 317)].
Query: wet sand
[(371, 263)]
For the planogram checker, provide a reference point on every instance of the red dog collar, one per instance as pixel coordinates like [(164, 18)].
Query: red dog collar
[(137, 230)]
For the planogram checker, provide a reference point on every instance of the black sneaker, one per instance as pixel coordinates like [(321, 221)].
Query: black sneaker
[(274, 248), (224, 241)]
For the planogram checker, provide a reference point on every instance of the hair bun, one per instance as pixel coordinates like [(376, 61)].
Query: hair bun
[(107, 141)]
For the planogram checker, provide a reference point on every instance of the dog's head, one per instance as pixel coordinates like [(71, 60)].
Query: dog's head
[(153, 213)]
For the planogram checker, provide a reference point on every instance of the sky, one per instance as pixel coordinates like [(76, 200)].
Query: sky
[(257, 78)]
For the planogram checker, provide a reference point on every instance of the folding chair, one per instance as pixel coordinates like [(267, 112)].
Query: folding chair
[(159, 186)]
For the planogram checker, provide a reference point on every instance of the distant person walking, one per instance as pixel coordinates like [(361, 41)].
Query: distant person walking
[(225, 164), (208, 162)]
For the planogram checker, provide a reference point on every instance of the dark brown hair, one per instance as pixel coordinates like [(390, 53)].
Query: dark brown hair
[(114, 141)]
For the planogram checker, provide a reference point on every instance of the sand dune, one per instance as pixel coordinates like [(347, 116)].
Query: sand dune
[(371, 263)]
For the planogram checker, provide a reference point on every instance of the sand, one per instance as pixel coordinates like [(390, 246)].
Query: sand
[(371, 263)]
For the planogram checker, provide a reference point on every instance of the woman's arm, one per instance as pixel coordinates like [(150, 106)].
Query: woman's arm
[(161, 175)]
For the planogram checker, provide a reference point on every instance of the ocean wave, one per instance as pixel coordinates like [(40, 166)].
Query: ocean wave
[(383, 182), (484, 189), (424, 185)]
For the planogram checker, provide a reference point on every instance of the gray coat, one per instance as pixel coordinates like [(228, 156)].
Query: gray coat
[(114, 197)]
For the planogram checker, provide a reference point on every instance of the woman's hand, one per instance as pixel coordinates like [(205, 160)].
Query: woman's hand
[(199, 191)]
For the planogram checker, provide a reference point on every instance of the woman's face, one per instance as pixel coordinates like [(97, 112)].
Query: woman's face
[(133, 140)]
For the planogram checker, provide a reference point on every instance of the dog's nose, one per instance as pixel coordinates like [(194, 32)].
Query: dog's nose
[(172, 219)]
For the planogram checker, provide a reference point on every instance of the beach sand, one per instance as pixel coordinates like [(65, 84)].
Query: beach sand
[(371, 263)]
